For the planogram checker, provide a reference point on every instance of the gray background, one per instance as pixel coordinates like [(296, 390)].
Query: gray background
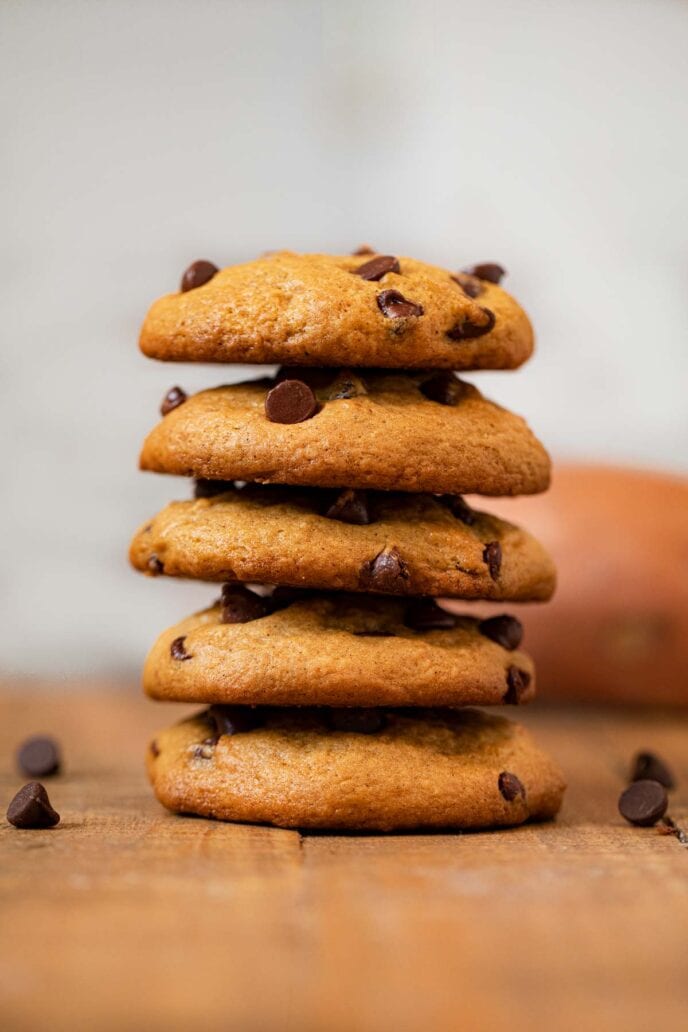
[(139, 136)]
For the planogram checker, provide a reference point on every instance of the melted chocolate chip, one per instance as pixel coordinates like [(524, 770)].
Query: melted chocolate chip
[(360, 721), (39, 757), (643, 803), (172, 400), (155, 565), (423, 614), (510, 786), (291, 401), (490, 271), (492, 555), (443, 388), (350, 507), (283, 596), (346, 385), (460, 509), (210, 488), (177, 650), (469, 284), (506, 630), (517, 681), (240, 605), (197, 274), (377, 267), (387, 572), (234, 720), (31, 808), (648, 766), (394, 305), (467, 330)]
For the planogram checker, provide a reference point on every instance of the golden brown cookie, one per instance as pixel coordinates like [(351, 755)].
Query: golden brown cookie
[(339, 650), (299, 769), (317, 310), (406, 433), (413, 544)]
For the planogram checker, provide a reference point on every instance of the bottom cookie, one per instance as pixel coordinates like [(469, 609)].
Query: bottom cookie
[(354, 769)]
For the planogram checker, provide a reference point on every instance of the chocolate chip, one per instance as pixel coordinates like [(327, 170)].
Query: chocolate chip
[(313, 377), (361, 721), (459, 508), (155, 565), (374, 634), (643, 802), (172, 400), (387, 572), (648, 766), (240, 605), (517, 681), (283, 596), (177, 650), (492, 555), (291, 401), (490, 271), (510, 786), (442, 387), (155, 749), (364, 249), (234, 720), (467, 329), (346, 385), (31, 808), (197, 274), (39, 757), (394, 305), (423, 614), (469, 284), (506, 630), (350, 507), (377, 267), (210, 488)]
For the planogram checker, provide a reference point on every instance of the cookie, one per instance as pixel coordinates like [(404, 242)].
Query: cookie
[(306, 769), (325, 310), (410, 544), (382, 431), (340, 650)]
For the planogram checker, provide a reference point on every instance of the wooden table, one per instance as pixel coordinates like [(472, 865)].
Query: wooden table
[(126, 917)]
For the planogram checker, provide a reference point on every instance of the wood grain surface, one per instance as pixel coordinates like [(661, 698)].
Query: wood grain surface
[(127, 917)]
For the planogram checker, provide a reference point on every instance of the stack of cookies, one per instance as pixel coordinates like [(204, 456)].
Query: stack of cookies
[(328, 503)]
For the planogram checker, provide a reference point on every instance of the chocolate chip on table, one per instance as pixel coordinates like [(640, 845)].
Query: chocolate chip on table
[(197, 274), (234, 720), (387, 572), (469, 284), (648, 766), (211, 488), (492, 555), (240, 605), (39, 757), (510, 786), (459, 508), (177, 650), (506, 630), (172, 400), (377, 267), (467, 330), (394, 305), (31, 808), (346, 385), (517, 681), (443, 387), (360, 721), (155, 565), (490, 271), (350, 506), (643, 802), (291, 401), (364, 249), (423, 614)]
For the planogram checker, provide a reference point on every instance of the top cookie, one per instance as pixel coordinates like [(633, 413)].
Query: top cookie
[(339, 310)]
